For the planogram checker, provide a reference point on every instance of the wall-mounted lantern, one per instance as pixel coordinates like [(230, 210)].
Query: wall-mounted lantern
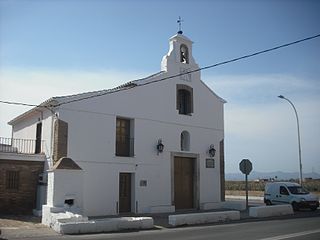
[(212, 150), (160, 146)]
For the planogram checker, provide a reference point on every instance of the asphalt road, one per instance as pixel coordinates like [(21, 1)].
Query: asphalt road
[(294, 229)]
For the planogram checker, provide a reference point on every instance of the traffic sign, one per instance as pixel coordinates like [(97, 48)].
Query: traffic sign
[(245, 166)]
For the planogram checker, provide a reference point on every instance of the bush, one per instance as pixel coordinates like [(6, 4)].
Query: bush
[(310, 185)]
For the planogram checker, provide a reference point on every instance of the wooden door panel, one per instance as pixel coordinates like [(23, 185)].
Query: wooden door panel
[(183, 182), (124, 192)]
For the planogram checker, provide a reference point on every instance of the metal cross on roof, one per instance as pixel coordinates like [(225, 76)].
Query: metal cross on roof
[(179, 21)]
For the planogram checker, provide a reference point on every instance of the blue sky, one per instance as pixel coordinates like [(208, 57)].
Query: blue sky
[(52, 48)]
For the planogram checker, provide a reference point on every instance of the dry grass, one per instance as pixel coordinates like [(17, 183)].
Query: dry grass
[(243, 193), (252, 193)]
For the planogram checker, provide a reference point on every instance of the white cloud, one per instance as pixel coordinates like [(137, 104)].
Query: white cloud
[(48, 83), (35, 86), (260, 126), (262, 88)]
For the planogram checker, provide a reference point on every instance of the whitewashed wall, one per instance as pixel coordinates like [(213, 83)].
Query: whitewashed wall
[(92, 134), (27, 128), (91, 143), (65, 184)]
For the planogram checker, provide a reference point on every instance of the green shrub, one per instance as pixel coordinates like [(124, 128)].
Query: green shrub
[(310, 185)]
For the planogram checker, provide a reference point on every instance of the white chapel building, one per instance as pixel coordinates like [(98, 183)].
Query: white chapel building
[(151, 145)]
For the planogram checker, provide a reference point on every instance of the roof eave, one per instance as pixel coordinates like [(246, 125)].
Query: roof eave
[(216, 95), (43, 106)]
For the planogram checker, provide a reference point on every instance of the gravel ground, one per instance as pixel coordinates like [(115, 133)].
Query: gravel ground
[(18, 221), (21, 226)]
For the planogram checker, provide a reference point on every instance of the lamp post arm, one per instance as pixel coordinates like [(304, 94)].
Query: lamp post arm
[(299, 143)]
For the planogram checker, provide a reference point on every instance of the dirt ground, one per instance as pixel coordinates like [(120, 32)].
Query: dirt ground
[(18, 221), (21, 227)]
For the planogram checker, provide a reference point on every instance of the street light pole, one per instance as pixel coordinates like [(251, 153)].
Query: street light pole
[(299, 144)]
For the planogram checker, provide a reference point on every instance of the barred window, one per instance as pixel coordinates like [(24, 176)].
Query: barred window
[(124, 139), (184, 99), (12, 180)]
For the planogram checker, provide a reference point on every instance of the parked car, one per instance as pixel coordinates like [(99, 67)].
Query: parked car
[(290, 193)]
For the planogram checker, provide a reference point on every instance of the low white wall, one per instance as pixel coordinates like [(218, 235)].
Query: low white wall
[(199, 218), (52, 215), (105, 225), (269, 211), (65, 222)]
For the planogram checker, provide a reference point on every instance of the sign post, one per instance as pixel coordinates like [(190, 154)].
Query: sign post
[(246, 167)]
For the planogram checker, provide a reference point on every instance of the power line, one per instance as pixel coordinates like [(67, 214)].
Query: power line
[(27, 104), (261, 52), (207, 67), (19, 103), (141, 118), (180, 74)]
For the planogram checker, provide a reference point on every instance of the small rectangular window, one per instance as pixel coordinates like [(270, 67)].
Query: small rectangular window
[(12, 180)]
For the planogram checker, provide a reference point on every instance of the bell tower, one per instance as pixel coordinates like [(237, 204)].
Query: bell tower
[(179, 59)]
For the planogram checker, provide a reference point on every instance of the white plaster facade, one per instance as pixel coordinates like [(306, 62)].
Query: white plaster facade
[(151, 105)]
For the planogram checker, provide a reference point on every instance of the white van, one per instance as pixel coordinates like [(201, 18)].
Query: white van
[(290, 193)]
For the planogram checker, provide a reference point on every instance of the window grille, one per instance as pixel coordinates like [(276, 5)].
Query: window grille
[(12, 180)]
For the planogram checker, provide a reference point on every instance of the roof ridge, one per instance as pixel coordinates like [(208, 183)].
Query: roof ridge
[(59, 100), (131, 83)]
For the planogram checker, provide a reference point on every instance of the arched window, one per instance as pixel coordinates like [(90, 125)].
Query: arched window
[(184, 54), (184, 99), (185, 141)]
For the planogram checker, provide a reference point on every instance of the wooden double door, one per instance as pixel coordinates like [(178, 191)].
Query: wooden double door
[(184, 182)]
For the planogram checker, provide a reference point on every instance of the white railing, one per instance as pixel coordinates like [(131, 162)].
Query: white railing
[(26, 146)]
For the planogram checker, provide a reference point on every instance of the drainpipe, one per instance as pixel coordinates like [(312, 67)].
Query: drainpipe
[(51, 142), (54, 117)]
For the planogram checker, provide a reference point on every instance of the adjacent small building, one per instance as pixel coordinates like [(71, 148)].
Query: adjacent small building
[(22, 188), (151, 145)]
